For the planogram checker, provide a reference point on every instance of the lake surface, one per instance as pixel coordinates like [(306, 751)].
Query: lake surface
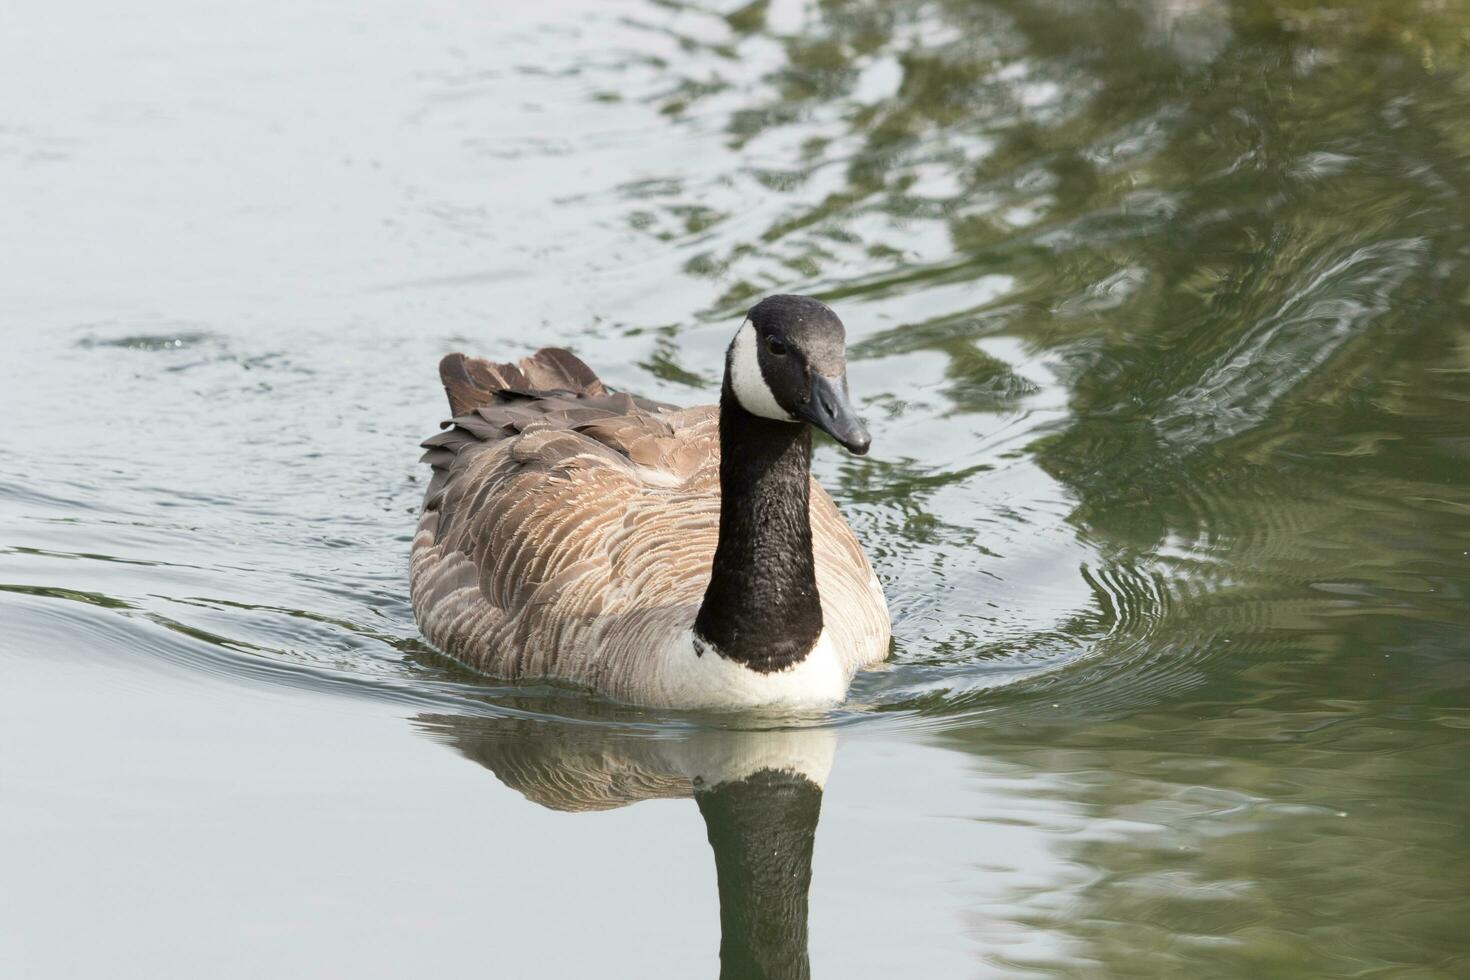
[(1160, 316)]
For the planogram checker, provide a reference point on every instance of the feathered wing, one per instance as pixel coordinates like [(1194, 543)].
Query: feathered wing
[(854, 610), (568, 531)]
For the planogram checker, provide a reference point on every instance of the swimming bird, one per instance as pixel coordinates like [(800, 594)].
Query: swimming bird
[(661, 556)]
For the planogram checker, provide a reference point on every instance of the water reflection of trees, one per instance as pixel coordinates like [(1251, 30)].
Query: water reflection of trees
[(1163, 182)]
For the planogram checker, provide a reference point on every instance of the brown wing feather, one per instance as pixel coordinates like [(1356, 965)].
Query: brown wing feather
[(472, 381)]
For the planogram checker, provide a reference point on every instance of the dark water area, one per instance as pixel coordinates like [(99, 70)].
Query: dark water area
[(1160, 318)]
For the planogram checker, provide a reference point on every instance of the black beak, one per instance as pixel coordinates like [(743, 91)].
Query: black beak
[(829, 410)]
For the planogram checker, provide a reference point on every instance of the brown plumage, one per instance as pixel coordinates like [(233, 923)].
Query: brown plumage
[(568, 533)]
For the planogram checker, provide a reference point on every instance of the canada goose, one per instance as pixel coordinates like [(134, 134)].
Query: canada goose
[(664, 557)]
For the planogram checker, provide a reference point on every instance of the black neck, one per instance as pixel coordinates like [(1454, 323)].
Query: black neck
[(762, 829), (761, 608)]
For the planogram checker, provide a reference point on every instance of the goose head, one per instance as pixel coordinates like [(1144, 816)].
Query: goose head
[(788, 362)]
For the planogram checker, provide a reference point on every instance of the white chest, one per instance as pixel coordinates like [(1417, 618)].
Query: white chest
[(708, 680)]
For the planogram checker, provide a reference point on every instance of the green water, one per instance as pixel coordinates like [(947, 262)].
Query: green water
[(1160, 316)]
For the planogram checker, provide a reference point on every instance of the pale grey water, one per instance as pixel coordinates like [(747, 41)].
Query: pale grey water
[(1158, 315)]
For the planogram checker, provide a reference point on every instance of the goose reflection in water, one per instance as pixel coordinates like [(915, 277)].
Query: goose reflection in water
[(759, 792)]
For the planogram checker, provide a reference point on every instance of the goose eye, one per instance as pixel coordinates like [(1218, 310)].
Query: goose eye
[(775, 347)]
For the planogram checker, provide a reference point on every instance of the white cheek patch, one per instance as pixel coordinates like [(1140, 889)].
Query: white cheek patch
[(746, 380)]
